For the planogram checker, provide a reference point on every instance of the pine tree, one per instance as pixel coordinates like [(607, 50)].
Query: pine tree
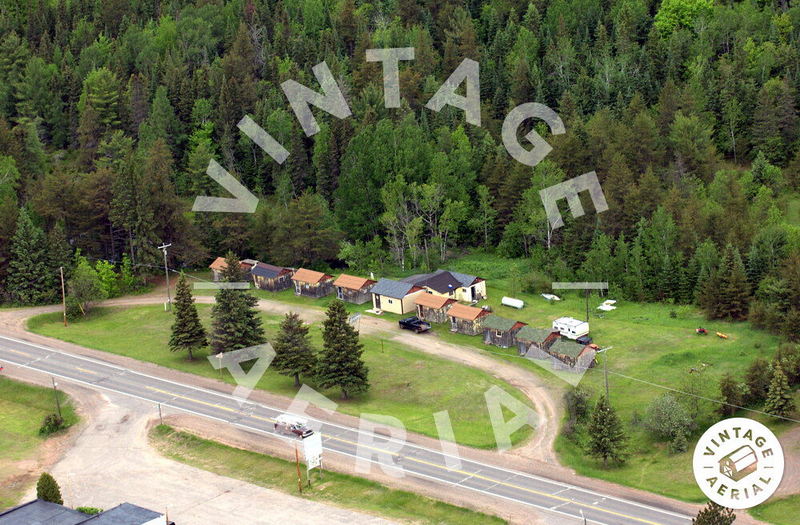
[(606, 436), (714, 514), (731, 394), (757, 380), (780, 401), (187, 332), (294, 354), (47, 489), (235, 320), (340, 364), (28, 279)]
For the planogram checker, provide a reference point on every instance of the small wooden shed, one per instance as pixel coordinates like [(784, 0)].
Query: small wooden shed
[(219, 265), (568, 355), (501, 331), (466, 319), (312, 284), (433, 308), (352, 289), (272, 278), (532, 342)]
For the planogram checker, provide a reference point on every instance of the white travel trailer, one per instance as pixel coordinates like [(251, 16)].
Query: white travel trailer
[(570, 327)]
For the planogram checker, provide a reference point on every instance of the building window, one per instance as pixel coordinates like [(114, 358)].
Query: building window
[(389, 301), (498, 333)]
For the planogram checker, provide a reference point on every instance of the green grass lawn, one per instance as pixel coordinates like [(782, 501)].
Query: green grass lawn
[(405, 383), (782, 511), (22, 409), (338, 489)]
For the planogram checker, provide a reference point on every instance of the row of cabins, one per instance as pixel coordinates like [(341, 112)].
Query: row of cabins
[(437, 297)]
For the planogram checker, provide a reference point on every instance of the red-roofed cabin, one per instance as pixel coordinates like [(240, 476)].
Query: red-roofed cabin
[(352, 289), (312, 284), (432, 307)]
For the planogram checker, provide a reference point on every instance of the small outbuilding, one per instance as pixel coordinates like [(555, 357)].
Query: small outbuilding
[(465, 319), (352, 289), (219, 265), (568, 355), (432, 307), (501, 331), (312, 284), (394, 296), (272, 278), (534, 342)]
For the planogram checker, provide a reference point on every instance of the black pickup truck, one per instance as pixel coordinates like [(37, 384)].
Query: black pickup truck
[(415, 323)]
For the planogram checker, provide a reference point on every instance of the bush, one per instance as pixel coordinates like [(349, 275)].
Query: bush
[(679, 444), (577, 402), (73, 309), (89, 510), (666, 418), (47, 489), (52, 423)]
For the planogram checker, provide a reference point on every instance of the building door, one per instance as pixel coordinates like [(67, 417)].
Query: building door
[(340, 292), (453, 324), (377, 302), (472, 294)]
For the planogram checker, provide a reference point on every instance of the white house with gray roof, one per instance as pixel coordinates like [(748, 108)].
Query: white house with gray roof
[(395, 296)]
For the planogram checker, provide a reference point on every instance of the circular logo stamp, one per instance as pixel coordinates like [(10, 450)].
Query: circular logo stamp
[(738, 463)]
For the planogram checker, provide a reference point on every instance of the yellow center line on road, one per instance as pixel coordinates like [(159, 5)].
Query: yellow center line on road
[(86, 371), (429, 463), (18, 352)]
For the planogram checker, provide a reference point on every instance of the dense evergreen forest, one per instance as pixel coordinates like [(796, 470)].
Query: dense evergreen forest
[(110, 111)]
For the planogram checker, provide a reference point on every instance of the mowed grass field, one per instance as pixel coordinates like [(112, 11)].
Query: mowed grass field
[(338, 489), (22, 409), (654, 348), (405, 383), (782, 511)]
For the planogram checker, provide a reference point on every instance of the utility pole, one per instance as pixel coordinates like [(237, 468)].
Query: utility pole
[(55, 393), (163, 248), (63, 295), (605, 366), (587, 305)]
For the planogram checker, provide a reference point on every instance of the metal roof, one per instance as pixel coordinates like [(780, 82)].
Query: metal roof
[(442, 282), (433, 301), (462, 311), (310, 276), (495, 322), (268, 271), (393, 289), (351, 282)]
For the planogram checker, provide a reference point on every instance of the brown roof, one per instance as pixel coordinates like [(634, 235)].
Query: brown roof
[(462, 311), (219, 264), (433, 301), (351, 282), (310, 276)]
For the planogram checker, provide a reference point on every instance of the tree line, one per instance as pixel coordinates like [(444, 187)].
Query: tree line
[(110, 113)]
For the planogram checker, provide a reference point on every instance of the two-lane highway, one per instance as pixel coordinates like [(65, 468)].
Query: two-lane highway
[(412, 460)]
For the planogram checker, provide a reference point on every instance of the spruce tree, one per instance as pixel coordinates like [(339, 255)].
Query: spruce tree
[(757, 379), (780, 401), (607, 437), (235, 320), (47, 489), (28, 279), (714, 514), (340, 364), (294, 354), (187, 332), (731, 394)]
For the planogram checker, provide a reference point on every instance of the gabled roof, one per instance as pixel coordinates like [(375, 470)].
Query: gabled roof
[(394, 289), (268, 271), (533, 335), (495, 322), (125, 514), (310, 276), (219, 264), (433, 301), (352, 282), (567, 348), (469, 313), (569, 321), (442, 282), (248, 262), (40, 511)]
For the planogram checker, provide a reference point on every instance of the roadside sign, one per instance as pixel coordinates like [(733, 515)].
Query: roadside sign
[(312, 450)]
